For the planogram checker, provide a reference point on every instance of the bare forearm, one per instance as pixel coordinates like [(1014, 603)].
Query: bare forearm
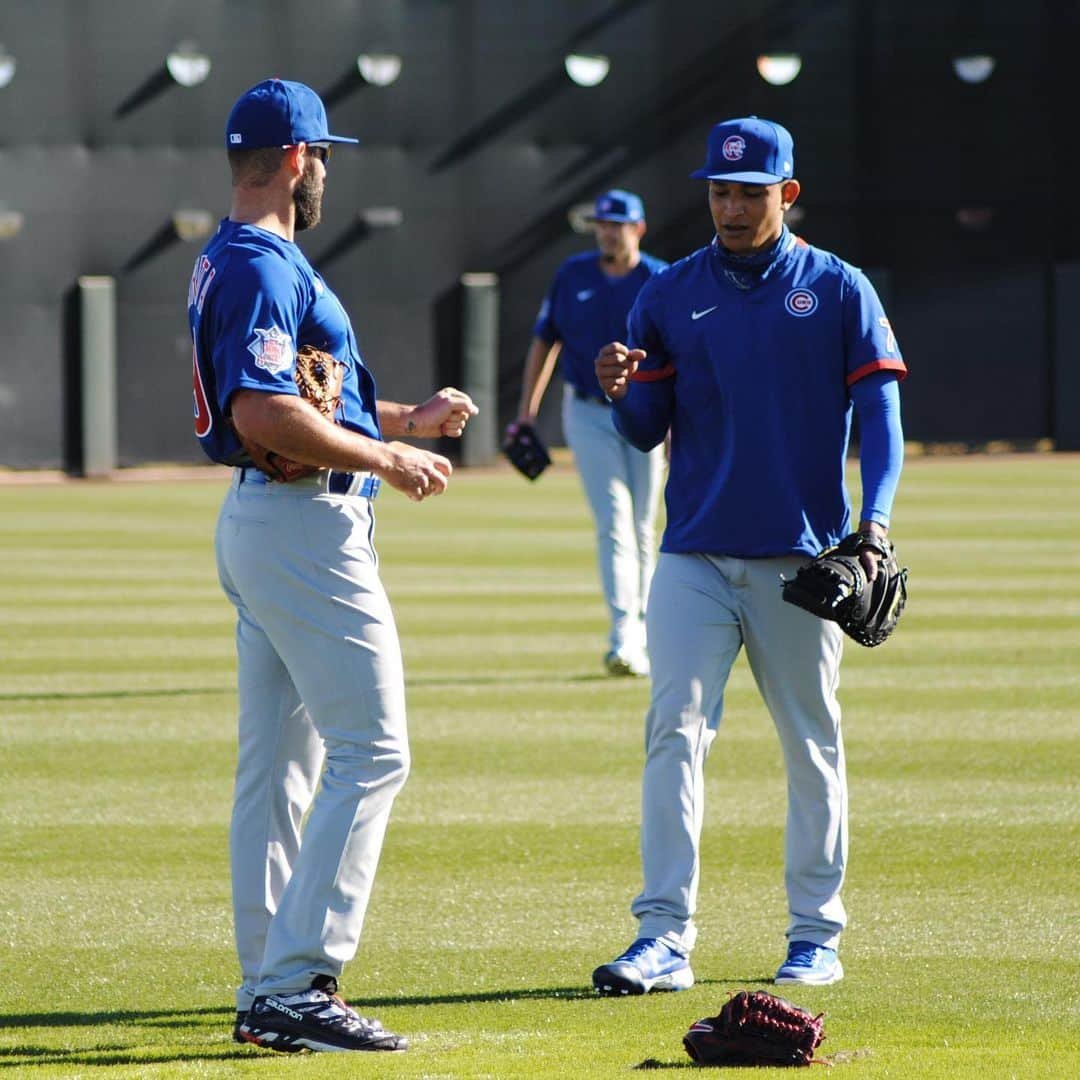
[(446, 412), (293, 429), (396, 420), (290, 427), (539, 365)]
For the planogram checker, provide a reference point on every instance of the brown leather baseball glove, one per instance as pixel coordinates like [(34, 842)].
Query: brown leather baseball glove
[(756, 1028), (319, 377)]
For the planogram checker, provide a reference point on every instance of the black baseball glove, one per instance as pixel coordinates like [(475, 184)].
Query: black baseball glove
[(756, 1028), (834, 586), (526, 452)]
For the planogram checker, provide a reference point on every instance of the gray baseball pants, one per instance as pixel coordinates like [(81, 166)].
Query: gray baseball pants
[(623, 487), (702, 610), (322, 728)]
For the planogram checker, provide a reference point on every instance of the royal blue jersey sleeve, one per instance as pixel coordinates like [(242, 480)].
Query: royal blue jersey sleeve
[(544, 327), (871, 344), (257, 312)]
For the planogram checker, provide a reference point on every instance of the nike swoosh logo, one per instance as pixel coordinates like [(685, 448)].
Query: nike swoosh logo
[(695, 315), (585, 294)]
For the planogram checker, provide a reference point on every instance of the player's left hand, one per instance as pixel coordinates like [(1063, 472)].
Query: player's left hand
[(444, 413), (869, 557)]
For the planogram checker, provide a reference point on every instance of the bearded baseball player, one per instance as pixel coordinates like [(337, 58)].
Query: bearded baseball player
[(754, 351), (321, 689), (586, 306)]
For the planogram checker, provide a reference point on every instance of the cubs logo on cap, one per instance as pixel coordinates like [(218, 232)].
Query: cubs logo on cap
[(618, 205), (734, 147), (749, 150)]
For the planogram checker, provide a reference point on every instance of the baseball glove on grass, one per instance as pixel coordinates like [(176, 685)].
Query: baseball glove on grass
[(525, 450), (319, 377), (756, 1028), (834, 586)]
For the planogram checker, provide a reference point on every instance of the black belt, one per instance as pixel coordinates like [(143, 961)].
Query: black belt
[(582, 396)]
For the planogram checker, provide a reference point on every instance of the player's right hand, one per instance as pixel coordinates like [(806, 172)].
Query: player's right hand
[(615, 366), (416, 472)]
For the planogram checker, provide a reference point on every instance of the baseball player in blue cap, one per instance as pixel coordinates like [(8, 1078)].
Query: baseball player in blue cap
[(586, 306), (322, 728), (754, 351)]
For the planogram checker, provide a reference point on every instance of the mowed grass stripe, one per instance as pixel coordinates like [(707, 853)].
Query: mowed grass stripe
[(512, 856)]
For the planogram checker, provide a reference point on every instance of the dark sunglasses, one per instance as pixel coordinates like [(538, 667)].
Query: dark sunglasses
[(321, 150)]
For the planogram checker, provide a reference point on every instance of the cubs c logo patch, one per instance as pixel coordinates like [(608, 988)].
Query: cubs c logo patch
[(734, 147), (800, 303), (272, 349)]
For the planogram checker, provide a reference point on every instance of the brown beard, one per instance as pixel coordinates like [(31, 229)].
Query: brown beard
[(307, 199)]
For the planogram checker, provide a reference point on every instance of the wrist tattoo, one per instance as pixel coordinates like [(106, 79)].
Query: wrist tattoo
[(410, 426)]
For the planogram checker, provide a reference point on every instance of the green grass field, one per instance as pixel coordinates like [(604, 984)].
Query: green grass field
[(512, 855)]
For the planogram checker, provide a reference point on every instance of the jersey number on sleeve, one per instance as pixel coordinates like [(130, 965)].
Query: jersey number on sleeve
[(204, 418)]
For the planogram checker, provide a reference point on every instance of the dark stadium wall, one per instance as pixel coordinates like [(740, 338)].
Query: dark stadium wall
[(952, 195)]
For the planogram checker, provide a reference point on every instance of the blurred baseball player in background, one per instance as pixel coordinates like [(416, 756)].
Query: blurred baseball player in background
[(586, 306), (754, 351), (321, 688)]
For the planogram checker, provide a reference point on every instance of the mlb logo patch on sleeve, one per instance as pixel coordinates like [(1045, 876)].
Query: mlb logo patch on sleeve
[(273, 350)]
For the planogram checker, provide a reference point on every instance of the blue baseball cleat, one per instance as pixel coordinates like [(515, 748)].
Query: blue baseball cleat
[(649, 964), (810, 965)]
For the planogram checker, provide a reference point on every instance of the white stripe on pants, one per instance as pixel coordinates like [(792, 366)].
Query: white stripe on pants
[(702, 610), (321, 693), (623, 487)]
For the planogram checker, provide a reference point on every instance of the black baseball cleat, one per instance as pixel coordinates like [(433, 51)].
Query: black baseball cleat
[(240, 1018), (315, 1019)]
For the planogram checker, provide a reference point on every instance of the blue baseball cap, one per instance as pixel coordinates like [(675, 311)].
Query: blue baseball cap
[(618, 205), (278, 113), (750, 150)]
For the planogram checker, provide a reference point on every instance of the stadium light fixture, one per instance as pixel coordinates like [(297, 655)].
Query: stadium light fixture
[(11, 223), (187, 225), (192, 225), (779, 69), (7, 67), (975, 218), (587, 69), (579, 217), (976, 68), (382, 217), (379, 69), (187, 64), (369, 69)]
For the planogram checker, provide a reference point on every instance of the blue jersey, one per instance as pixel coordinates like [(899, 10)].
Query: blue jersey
[(585, 309), (753, 375), (254, 300)]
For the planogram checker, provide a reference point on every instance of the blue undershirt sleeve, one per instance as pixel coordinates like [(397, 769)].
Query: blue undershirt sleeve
[(881, 449), (644, 415)]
